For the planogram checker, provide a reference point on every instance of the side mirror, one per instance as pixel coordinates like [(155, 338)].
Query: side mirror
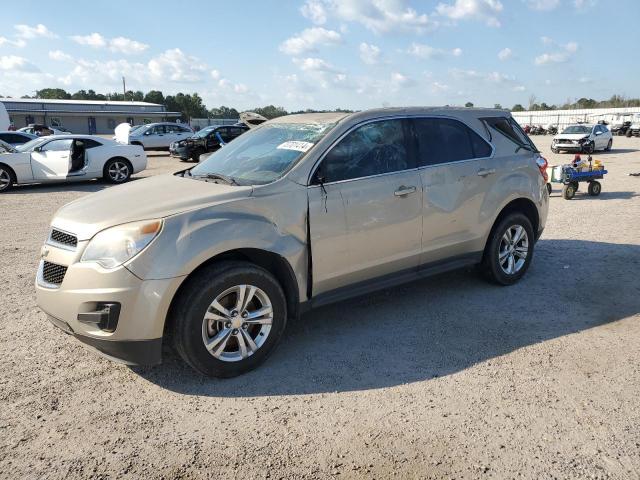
[(37, 149), (598, 133)]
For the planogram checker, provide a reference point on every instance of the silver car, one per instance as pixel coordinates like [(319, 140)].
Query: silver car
[(299, 212)]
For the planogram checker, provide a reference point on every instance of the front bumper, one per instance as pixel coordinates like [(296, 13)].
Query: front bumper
[(564, 145), (182, 152), (137, 335)]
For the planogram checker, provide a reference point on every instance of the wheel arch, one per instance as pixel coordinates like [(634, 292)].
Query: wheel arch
[(519, 205), (11, 171), (117, 157), (274, 263)]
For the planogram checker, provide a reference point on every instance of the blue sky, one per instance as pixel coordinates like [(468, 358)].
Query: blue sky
[(328, 53)]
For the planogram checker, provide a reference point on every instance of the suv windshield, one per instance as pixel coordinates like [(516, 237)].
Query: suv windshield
[(577, 129), (263, 154)]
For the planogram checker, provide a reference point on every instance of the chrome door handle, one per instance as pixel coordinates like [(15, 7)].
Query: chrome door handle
[(486, 171), (402, 191)]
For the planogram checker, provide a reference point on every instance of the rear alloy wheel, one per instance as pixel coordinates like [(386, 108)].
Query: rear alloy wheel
[(609, 145), (6, 179), (509, 250), (229, 319), (117, 171)]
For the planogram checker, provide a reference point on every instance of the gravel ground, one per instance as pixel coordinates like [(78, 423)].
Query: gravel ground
[(445, 378)]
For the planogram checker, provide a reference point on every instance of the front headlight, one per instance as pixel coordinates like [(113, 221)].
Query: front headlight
[(114, 246)]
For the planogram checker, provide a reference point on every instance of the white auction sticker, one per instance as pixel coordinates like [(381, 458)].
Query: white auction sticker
[(295, 145)]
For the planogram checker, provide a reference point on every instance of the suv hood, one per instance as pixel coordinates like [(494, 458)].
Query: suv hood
[(155, 197)]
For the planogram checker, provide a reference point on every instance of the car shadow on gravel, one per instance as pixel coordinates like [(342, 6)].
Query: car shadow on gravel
[(435, 327)]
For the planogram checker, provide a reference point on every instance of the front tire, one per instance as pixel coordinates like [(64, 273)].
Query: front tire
[(7, 179), (589, 148), (509, 250), (609, 145), (228, 318), (117, 170)]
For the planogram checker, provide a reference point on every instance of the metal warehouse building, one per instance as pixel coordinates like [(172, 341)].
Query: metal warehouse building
[(84, 116)]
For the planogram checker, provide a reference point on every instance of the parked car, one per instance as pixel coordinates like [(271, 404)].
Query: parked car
[(41, 130), (634, 127), (301, 211), (67, 158), (205, 140), (157, 136), (16, 138), (583, 138)]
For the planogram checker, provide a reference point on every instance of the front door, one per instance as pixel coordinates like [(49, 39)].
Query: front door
[(52, 161), (365, 208)]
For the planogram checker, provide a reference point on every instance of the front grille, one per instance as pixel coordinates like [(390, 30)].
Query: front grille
[(64, 238), (53, 273)]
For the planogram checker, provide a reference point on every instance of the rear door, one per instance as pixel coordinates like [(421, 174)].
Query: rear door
[(365, 207), (52, 161), (456, 174)]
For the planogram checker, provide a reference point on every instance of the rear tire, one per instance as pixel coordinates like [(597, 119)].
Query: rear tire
[(568, 191), (549, 188), (7, 179), (196, 322), (594, 188), (509, 250), (117, 170)]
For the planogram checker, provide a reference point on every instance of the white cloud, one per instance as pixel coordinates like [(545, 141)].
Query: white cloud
[(176, 66), (27, 32), (584, 4), (423, 51), (308, 40), (117, 44), (215, 74), (315, 65), (485, 10), (562, 53), (369, 54), (315, 11), (519, 88), (60, 56), (543, 5), (439, 87), (94, 40), (490, 77), (379, 16), (126, 45), (399, 80), (505, 54), (13, 63), (19, 42)]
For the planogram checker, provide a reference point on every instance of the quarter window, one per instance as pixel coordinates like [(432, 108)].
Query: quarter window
[(372, 149), (442, 140)]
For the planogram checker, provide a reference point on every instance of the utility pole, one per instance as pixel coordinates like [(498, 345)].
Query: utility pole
[(124, 89)]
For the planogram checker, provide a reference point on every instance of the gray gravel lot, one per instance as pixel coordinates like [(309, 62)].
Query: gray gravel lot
[(446, 378)]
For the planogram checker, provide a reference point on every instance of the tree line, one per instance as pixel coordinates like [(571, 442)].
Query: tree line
[(190, 105)]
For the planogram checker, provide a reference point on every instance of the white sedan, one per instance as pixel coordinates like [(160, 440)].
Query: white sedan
[(67, 158)]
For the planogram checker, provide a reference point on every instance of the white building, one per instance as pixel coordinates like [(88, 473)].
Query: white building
[(562, 118), (84, 116)]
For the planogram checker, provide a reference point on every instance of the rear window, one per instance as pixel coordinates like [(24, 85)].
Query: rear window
[(510, 129)]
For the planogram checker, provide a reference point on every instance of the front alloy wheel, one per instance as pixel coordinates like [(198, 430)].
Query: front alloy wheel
[(6, 180), (228, 318), (237, 323)]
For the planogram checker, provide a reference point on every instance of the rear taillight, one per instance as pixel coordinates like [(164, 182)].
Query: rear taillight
[(542, 165)]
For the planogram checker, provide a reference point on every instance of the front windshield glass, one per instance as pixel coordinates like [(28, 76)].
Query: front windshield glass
[(27, 147), (577, 129), (204, 132), (263, 154)]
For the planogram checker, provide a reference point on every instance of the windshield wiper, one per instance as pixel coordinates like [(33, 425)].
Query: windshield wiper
[(217, 176)]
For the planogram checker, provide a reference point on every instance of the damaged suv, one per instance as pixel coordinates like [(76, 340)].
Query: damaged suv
[(299, 212)]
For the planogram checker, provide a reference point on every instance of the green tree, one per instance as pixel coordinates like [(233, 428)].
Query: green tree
[(270, 111), (517, 108), (497, 106), (53, 94), (468, 105), (154, 96), (224, 112)]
